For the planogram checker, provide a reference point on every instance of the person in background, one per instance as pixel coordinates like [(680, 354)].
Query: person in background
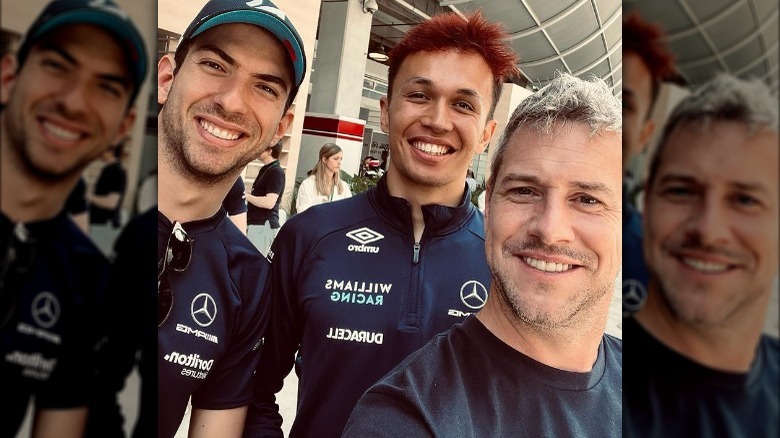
[(226, 94), (471, 181), (267, 189), (67, 95), (361, 283), (77, 206), (324, 182), (235, 204), (646, 63), (696, 362), (106, 199), (535, 361)]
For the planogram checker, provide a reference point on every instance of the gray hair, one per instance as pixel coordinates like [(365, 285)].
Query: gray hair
[(564, 100), (724, 98)]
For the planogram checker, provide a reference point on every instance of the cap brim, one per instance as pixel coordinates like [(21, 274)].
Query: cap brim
[(290, 41), (120, 28)]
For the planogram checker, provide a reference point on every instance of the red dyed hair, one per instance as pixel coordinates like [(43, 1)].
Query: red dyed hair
[(449, 31), (646, 40)]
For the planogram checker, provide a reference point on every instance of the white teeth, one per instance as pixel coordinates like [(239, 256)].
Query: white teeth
[(60, 132), (219, 133), (547, 266), (704, 266), (432, 149)]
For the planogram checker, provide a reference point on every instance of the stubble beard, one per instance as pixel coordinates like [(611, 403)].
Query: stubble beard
[(576, 312), (12, 124), (184, 160)]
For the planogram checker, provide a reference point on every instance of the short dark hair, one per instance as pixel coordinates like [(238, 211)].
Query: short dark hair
[(276, 150)]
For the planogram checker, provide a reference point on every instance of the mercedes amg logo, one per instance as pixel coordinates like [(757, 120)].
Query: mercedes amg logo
[(46, 309), (364, 235), (203, 310), (634, 296), (473, 294)]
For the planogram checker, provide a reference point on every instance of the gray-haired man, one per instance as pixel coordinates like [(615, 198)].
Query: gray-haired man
[(535, 360), (698, 364)]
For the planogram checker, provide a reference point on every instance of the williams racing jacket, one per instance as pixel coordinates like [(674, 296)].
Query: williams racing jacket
[(355, 294)]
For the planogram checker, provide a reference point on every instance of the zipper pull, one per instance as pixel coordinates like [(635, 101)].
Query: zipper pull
[(416, 258)]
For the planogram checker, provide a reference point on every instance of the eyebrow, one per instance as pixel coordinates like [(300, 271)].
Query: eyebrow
[(588, 186), (745, 186), (119, 79), (419, 80), (233, 63)]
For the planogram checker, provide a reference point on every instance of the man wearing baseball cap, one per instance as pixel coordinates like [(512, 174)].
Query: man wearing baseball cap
[(67, 95), (226, 96)]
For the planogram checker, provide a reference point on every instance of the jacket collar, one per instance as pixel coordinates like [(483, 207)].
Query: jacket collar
[(439, 219)]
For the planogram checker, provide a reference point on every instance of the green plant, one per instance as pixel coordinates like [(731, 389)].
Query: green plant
[(477, 191), (360, 184)]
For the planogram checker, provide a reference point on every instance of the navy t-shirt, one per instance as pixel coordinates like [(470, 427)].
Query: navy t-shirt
[(47, 347), (270, 179), (667, 395), (77, 200), (209, 345), (235, 201), (469, 383), (112, 179)]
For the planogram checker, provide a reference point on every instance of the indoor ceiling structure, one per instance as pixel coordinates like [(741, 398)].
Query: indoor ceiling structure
[(711, 36), (579, 37)]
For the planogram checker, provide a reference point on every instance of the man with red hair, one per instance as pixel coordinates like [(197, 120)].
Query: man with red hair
[(363, 282)]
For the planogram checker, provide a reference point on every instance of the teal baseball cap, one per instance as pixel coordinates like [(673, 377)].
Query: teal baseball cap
[(102, 13), (261, 13)]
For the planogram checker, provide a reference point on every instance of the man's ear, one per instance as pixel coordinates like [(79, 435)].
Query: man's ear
[(284, 123), (488, 191), (7, 76), (165, 69), (384, 121), (647, 131), (487, 135), (125, 125)]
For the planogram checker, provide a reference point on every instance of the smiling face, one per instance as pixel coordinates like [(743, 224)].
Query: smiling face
[(436, 118), (553, 225), (227, 103), (67, 104), (711, 218)]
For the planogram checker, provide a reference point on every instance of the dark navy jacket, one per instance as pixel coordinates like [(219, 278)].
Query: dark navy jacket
[(634, 271), (356, 295), (209, 345)]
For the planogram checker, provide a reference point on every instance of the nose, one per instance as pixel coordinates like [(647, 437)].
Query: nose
[(437, 116), (709, 222), (74, 97), (551, 222), (232, 98)]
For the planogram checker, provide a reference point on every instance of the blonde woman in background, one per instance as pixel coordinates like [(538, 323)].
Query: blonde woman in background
[(324, 183)]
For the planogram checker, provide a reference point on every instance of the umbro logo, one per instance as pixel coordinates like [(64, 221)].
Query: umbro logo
[(364, 235)]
